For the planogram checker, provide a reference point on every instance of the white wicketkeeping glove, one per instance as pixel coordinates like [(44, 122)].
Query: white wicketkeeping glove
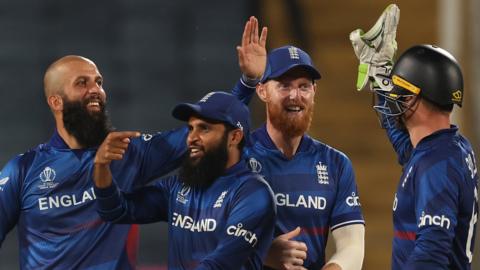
[(375, 50)]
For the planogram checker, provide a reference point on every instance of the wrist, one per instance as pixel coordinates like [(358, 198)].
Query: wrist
[(251, 82)]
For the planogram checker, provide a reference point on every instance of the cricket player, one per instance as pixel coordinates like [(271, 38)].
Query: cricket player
[(314, 184), (220, 215), (47, 192), (435, 207)]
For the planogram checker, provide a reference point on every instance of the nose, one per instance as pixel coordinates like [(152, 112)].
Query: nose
[(192, 137), (94, 88), (293, 93)]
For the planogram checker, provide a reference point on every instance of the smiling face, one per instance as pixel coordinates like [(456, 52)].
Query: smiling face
[(74, 91), (289, 100), (207, 154), (83, 82)]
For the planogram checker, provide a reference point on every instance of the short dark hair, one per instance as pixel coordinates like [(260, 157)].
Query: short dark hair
[(448, 108), (229, 128)]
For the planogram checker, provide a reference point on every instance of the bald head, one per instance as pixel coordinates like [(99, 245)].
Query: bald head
[(55, 75)]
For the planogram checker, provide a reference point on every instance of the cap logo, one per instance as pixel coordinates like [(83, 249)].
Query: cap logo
[(457, 96), (207, 96), (405, 84), (239, 125), (293, 53)]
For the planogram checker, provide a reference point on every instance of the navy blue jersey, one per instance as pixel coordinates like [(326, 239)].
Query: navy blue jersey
[(48, 193), (315, 189), (436, 204), (228, 225)]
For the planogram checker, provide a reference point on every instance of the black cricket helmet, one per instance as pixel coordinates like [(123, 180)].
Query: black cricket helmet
[(427, 71)]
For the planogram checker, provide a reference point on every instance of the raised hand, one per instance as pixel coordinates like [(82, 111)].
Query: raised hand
[(252, 55), (287, 254), (375, 49)]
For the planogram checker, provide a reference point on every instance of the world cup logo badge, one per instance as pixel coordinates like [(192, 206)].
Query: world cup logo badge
[(254, 165), (47, 176)]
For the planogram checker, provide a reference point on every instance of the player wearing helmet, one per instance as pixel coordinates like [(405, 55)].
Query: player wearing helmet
[(436, 203)]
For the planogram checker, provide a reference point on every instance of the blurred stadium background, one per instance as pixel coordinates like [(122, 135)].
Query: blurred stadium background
[(154, 54)]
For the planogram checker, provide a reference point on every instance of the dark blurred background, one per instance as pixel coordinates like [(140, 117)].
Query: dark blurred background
[(154, 54)]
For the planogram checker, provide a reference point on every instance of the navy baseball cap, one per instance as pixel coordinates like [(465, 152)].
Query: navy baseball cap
[(282, 59), (218, 106)]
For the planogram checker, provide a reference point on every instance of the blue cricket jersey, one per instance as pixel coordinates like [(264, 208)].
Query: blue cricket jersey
[(48, 193), (314, 190), (436, 204), (228, 225)]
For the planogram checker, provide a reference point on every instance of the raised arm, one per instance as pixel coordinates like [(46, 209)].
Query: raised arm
[(252, 59), (140, 206)]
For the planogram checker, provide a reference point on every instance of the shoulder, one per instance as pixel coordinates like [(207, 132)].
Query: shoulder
[(254, 186), (330, 153), (22, 160)]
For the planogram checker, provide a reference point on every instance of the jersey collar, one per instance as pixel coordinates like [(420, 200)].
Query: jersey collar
[(56, 141), (261, 135), (434, 138)]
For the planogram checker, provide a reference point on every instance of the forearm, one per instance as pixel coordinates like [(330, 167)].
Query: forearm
[(349, 243), (102, 176)]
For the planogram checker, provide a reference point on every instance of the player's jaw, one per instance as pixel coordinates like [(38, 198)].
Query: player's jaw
[(195, 153), (86, 120), (291, 117), (203, 165)]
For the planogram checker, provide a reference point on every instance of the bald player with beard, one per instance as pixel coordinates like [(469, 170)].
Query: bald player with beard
[(314, 184), (47, 192)]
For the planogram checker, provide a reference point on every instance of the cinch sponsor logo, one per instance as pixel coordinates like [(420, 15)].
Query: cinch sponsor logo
[(441, 221), (237, 231), (315, 202), (353, 200), (65, 201), (188, 223)]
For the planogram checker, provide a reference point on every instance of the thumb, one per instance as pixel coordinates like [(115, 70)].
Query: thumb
[(291, 234)]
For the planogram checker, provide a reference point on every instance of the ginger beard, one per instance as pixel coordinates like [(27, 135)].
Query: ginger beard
[(291, 123)]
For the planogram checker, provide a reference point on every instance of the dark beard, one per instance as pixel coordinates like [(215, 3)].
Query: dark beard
[(202, 173), (88, 128), (290, 126)]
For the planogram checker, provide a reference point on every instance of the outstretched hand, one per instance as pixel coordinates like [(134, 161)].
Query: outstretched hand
[(113, 148), (252, 55)]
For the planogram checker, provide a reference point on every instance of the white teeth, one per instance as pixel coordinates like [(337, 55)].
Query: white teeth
[(94, 103), (294, 108)]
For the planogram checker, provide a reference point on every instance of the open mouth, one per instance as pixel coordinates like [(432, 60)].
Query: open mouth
[(294, 109), (195, 152), (94, 105)]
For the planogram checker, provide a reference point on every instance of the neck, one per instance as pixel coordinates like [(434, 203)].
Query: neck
[(425, 125), (285, 144), (69, 139), (233, 157)]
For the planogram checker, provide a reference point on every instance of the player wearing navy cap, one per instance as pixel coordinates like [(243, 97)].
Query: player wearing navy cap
[(435, 208), (313, 183), (47, 192), (220, 215)]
